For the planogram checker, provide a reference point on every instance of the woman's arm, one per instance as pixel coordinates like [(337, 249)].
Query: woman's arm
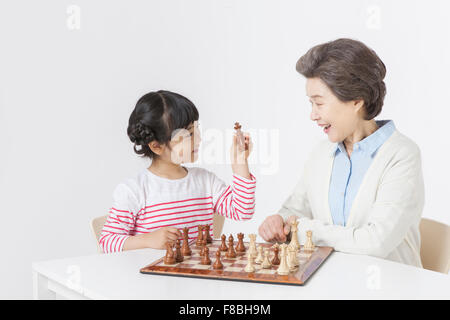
[(399, 204)]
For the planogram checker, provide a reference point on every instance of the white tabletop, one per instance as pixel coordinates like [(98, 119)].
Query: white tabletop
[(342, 276)]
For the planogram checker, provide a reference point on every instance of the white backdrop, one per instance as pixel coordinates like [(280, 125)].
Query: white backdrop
[(72, 71)]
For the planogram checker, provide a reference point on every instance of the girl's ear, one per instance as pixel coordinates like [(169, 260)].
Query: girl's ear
[(156, 147)]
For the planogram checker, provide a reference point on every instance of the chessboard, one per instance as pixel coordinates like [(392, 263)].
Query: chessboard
[(233, 268)]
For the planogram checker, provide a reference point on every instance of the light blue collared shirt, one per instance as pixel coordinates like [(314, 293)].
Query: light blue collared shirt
[(348, 173)]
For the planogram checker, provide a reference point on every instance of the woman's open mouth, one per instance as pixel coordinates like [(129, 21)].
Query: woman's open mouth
[(326, 129)]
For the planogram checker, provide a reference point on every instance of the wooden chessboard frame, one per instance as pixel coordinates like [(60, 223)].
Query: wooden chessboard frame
[(311, 262)]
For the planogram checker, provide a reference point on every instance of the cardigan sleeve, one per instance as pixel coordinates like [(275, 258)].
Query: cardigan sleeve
[(398, 205)]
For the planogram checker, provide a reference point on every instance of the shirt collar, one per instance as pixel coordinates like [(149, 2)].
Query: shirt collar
[(371, 143)]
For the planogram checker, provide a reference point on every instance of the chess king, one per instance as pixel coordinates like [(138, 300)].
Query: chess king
[(364, 163)]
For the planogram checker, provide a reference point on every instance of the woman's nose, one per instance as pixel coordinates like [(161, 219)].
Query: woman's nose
[(314, 116)]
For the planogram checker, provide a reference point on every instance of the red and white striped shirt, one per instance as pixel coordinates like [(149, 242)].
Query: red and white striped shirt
[(150, 202)]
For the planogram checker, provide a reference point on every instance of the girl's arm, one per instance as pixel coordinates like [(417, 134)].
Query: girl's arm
[(236, 201), (121, 220)]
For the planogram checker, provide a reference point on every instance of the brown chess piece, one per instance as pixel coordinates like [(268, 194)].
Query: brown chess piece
[(202, 250), (230, 253), (205, 234), (218, 264), (185, 250), (198, 243), (178, 256), (240, 246), (169, 258), (223, 246), (208, 235), (276, 259), (205, 258)]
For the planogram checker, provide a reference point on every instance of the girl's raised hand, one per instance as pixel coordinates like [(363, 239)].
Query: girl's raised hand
[(239, 154)]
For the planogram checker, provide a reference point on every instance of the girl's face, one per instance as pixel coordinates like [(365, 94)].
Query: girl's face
[(185, 144), (337, 119)]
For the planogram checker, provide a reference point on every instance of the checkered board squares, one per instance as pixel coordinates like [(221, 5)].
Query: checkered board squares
[(233, 268)]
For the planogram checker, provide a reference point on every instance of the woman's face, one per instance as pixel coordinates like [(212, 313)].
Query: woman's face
[(337, 119)]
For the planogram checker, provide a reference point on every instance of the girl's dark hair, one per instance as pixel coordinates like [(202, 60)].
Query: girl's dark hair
[(350, 69), (156, 116)]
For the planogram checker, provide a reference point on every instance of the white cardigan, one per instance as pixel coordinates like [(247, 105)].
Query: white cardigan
[(385, 215)]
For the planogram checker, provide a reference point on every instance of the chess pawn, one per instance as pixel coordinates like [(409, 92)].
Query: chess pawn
[(309, 246), (240, 246), (283, 268), (276, 258), (208, 235), (169, 257), (185, 249), (178, 256), (266, 263), (198, 243), (223, 246), (205, 259), (249, 267), (218, 264), (230, 253), (259, 257)]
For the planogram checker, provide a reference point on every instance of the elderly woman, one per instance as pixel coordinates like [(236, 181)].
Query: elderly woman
[(362, 190)]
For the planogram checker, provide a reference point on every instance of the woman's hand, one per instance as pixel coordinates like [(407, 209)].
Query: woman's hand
[(275, 229)]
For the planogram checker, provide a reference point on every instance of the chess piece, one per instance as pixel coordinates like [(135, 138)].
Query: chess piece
[(259, 257), (230, 253), (276, 258), (208, 235), (249, 267), (205, 259), (203, 247), (294, 237), (240, 246), (178, 256), (185, 249), (169, 257), (223, 246), (240, 136), (283, 268), (198, 243), (266, 263), (309, 245), (292, 258), (218, 264), (252, 245), (205, 235)]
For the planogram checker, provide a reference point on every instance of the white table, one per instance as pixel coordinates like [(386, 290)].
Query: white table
[(342, 276)]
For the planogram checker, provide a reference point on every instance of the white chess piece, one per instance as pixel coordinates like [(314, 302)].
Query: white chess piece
[(294, 237), (252, 245), (292, 260), (309, 245), (283, 269), (250, 267), (266, 262), (259, 258)]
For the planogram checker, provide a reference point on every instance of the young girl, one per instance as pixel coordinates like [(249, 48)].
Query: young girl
[(153, 208)]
